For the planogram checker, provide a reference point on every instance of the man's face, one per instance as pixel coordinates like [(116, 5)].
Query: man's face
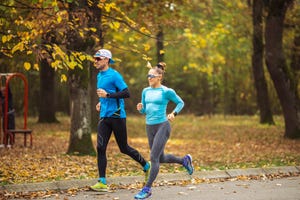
[(100, 63)]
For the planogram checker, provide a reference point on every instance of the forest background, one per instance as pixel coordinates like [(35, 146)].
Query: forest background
[(209, 47)]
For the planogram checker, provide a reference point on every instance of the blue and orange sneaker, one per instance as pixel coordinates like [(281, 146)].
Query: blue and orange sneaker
[(187, 164), (144, 193)]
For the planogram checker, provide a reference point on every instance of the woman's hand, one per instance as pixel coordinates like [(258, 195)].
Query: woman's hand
[(171, 116), (139, 106)]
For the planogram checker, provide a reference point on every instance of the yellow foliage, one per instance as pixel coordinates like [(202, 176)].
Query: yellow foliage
[(241, 5), (146, 47), (147, 58), (145, 31), (81, 34), (82, 57), (57, 64), (48, 46), (59, 19), (33, 34), (161, 52), (217, 59), (201, 42), (208, 69), (93, 29), (27, 65), (13, 10), (221, 29), (58, 51), (96, 39), (89, 58), (72, 64), (36, 67), (19, 46), (63, 78), (185, 68), (116, 25), (109, 6), (119, 37), (131, 39), (6, 38), (132, 81), (54, 3), (29, 24), (193, 65), (187, 33), (197, 40)]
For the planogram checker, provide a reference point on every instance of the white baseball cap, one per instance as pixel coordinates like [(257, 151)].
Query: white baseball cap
[(105, 53)]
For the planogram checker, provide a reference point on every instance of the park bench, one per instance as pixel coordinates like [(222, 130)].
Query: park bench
[(12, 134), (9, 133)]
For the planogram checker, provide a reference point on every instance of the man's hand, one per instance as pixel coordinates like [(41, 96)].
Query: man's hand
[(98, 107), (101, 93)]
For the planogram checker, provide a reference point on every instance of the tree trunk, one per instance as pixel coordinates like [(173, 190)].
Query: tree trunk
[(295, 66), (80, 132), (80, 137), (47, 93), (278, 68), (262, 97), (94, 99), (160, 45), (96, 22), (226, 108)]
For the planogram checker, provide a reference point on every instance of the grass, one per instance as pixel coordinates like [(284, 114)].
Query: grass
[(215, 142)]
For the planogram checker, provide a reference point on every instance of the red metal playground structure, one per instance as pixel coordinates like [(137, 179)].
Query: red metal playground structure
[(9, 134)]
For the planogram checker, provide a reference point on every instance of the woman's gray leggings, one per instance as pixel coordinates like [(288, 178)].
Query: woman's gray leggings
[(158, 136)]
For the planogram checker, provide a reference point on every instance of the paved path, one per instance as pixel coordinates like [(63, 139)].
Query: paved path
[(277, 189), (287, 188)]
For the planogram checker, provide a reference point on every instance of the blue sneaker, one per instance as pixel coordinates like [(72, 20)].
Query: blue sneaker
[(187, 164), (144, 193)]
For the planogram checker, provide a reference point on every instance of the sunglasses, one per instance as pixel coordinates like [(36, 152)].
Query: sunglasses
[(99, 58), (151, 76)]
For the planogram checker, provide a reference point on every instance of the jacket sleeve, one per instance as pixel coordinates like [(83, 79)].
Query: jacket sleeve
[(120, 94)]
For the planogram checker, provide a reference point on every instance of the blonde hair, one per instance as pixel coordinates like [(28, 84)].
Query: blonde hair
[(160, 68)]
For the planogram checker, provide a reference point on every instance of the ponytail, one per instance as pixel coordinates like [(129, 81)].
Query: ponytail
[(160, 68)]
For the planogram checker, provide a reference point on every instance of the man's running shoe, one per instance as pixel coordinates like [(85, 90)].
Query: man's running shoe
[(144, 193), (100, 187), (187, 164)]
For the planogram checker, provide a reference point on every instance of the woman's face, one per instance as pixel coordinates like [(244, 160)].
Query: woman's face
[(154, 78)]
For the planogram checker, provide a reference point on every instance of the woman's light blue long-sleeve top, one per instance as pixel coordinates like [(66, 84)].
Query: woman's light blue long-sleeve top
[(155, 102)]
